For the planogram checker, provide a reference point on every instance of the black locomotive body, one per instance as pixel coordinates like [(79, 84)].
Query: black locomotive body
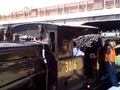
[(45, 64)]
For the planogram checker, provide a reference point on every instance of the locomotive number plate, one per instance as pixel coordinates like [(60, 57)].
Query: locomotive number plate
[(70, 66)]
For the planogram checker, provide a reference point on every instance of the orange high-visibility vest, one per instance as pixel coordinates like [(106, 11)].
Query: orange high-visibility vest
[(111, 56)]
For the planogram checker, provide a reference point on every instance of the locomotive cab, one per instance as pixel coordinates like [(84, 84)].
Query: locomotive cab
[(70, 69)]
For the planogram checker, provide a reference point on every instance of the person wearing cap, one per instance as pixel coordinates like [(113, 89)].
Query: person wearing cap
[(110, 57)]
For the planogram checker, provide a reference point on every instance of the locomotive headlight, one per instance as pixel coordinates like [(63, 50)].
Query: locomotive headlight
[(88, 86)]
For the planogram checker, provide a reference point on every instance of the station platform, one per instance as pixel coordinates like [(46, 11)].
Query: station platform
[(114, 88)]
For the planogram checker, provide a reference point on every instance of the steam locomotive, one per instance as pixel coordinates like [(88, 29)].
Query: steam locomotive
[(38, 56)]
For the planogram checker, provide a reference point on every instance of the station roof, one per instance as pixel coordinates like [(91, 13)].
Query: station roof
[(54, 25), (105, 25)]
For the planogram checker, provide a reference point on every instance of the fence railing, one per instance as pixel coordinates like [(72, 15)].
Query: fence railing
[(82, 6)]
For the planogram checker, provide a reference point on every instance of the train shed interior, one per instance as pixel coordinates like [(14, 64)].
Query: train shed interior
[(105, 25)]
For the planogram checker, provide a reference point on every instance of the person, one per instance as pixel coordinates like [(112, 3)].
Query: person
[(76, 50), (101, 59), (110, 56)]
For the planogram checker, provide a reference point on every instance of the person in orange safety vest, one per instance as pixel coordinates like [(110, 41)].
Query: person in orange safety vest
[(110, 57)]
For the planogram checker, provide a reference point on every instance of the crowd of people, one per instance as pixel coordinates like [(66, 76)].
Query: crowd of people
[(106, 56), (106, 60)]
